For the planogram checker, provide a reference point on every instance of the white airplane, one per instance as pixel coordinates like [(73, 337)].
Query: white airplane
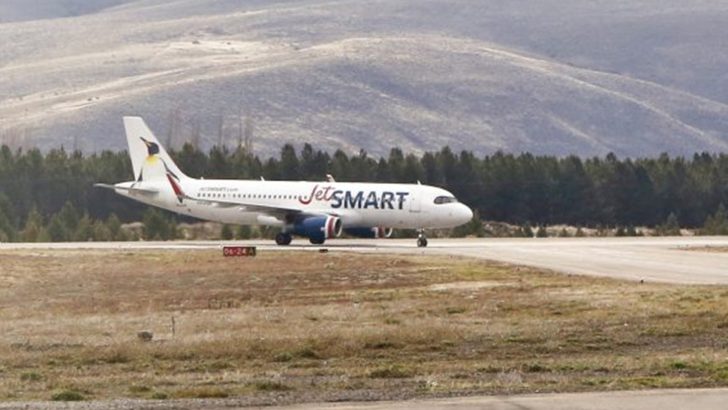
[(315, 210)]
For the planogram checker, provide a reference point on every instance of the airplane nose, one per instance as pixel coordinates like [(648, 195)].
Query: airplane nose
[(464, 214)]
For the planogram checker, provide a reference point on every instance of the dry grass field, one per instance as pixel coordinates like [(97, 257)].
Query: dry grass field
[(303, 326)]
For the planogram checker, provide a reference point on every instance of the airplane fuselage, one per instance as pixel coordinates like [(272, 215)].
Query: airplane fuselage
[(356, 204)]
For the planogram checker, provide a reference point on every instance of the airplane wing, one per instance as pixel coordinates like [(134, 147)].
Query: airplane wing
[(284, 214), (247, 207), (143, 191)]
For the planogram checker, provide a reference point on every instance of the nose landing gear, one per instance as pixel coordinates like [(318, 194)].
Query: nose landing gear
[(421, 239)]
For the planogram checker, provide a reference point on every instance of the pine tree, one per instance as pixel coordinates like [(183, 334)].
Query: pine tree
[(541, 232), (716, 224), (34, 230), (84, 230), (157, 226), (476, 225), (526, 231), (243, 232), (671, 226), (289, 164), (115, 231), (226, 233), (43, 235), (7, 226), (57, 229), (69, 217), (101, 232)]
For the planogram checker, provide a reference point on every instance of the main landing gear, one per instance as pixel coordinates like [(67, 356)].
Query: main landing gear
[(421, 239), (283, 239)]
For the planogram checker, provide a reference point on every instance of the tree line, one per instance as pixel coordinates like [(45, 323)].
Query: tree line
[(51, 194)]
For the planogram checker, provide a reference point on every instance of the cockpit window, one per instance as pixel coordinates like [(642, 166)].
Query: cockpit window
[(445, 200)]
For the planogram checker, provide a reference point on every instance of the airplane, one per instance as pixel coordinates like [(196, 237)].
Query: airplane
[(314, 210)]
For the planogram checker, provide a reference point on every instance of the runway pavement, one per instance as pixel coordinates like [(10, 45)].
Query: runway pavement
[(672, 260), (699, 399), (665, 259)]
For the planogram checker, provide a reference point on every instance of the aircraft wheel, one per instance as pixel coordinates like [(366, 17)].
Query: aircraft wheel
[(317, 241), (283, 239), (421, 242)]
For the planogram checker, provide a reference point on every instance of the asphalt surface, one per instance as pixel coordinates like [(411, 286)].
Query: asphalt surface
[(701, 399), (694, 399), (682, 260)]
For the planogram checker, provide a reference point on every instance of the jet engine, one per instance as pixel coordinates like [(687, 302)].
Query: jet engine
[(376, 232), (318, 228)]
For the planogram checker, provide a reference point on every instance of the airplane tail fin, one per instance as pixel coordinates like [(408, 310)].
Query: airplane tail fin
[(149, 159)]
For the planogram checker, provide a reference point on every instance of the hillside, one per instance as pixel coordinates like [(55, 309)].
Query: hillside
[(23, 10), (585, 77)]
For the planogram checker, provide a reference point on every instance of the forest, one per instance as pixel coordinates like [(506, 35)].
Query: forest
[(49, 196)]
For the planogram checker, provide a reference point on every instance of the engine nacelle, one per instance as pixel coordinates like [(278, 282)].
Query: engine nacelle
[(318, 228), (376, 232)]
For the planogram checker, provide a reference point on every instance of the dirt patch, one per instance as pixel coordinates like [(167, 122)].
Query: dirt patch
[(464, 286)]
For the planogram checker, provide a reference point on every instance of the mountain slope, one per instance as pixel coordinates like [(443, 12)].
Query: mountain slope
[(347, 74), (22, 10)]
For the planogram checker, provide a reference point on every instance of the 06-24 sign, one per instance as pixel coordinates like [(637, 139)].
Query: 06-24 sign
[(230, 251)]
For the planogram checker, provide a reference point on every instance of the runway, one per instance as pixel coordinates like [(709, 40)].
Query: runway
[(680, 260), (703, 399), (700, 399)]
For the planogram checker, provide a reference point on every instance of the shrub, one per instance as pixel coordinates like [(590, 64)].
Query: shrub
[(269, 385), (202, 393), (391, 372), (68, 395), (160, 396), (31, 377)]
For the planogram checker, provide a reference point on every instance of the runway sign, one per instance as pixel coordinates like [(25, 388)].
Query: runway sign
[(231, 251)]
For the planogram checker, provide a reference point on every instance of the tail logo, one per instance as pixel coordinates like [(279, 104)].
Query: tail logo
[(152, 157), (151, 165)]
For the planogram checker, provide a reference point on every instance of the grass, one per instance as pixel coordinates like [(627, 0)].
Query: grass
[(335, 326)]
